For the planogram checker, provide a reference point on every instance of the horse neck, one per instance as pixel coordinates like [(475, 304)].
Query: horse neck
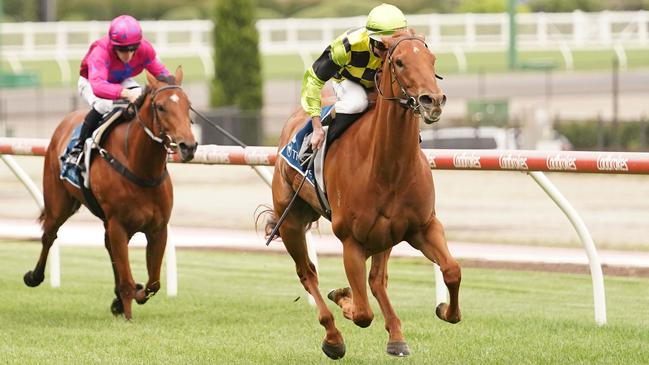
[(394, 135), (146, 157)]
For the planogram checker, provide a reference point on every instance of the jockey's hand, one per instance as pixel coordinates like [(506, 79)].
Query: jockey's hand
[(131, 94), (317, 137)]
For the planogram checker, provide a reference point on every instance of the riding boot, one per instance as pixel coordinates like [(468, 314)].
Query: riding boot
[(340, 123), (90, 123)]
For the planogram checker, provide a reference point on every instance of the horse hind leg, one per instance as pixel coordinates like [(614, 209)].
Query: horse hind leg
[(378, 281), (292, 233), (432, 243), (59, 206)]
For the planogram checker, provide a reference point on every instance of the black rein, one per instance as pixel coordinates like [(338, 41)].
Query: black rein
[(123, 170)]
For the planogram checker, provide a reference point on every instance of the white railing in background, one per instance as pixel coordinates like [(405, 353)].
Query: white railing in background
[(456, 33)]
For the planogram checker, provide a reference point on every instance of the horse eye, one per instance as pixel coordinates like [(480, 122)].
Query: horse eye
[(399, 63), (160, 108)]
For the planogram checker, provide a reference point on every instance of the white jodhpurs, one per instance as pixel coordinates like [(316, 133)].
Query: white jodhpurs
[(351, 98), (102, 106)]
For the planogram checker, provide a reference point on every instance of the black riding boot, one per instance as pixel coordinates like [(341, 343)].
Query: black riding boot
[(340, 124), (90, 123)]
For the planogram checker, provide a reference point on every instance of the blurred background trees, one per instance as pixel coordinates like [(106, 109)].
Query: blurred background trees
[(30, 10)]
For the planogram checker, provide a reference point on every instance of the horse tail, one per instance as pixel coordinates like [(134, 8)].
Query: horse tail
[(264, 210), (41, 217)]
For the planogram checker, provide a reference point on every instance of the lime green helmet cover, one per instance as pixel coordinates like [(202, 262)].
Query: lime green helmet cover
[(384, 20)]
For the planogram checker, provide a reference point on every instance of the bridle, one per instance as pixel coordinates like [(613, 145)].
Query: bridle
[(164, 139), (407, 101)]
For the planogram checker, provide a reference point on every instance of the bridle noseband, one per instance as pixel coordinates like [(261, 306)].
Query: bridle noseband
[(408, 101), (164, 139)]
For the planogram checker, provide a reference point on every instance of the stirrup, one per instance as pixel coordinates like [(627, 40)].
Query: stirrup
[(75, 158), (305, 157)]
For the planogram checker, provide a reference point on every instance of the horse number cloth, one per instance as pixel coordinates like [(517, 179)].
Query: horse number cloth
[(291, 152)]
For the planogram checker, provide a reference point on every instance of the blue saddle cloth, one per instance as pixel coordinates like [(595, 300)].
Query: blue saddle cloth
[(291, 152), (69, 171)]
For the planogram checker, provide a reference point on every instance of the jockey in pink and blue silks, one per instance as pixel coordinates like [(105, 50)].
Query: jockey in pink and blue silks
[(107, 70)]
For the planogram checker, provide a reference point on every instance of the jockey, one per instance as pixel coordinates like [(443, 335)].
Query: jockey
[(107, 71), (351, 60)]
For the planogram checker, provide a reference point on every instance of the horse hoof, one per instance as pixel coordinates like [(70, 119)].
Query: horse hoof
[(117, 307), (441, 313), (335, 294), (140, 297), (334, 352), (399, 349), (31, 280)]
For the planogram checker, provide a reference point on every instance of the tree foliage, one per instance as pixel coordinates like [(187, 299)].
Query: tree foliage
[(237, 70)]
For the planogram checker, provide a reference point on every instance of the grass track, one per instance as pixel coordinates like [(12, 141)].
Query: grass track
[(238, 308)]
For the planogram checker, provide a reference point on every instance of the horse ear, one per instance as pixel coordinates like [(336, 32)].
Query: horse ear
[(151, 81), (179, 75)]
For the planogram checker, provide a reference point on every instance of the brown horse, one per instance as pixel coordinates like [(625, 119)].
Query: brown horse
[(161, 122), (381, 192)]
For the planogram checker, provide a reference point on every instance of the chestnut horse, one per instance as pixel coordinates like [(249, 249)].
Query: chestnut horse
[(141, 145), (381, 192)]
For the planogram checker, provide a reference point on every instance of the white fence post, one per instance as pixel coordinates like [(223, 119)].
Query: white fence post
[(586, 240)]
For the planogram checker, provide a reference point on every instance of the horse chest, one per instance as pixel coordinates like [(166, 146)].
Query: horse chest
[(377, 232), (151, 211)]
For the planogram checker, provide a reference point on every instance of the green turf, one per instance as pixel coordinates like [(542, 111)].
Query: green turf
[(238, 308)]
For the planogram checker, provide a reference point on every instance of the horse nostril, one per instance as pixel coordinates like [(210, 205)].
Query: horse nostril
[(425, 100), (188, 148), (439, 99)]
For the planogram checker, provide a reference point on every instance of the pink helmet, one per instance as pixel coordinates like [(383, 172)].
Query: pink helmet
[(125, 31)]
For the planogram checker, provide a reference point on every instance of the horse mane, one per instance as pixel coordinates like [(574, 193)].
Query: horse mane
[(402, 33), (167, 79)]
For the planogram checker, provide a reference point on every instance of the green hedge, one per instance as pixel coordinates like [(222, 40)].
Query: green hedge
[(600, 135)]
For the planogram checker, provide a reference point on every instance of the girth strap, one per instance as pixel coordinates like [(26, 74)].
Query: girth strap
[(115, 164)]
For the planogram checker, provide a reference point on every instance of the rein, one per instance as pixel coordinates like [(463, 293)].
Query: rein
[(409, 102), (165, 141)]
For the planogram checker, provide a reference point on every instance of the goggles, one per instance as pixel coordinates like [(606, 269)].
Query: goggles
[(129, 48), (378, 44)]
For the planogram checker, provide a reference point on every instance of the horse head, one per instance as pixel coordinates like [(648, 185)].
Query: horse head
[(413, 79), (168, 107)]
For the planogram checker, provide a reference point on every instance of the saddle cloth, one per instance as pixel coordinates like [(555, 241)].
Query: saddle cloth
[(71, 171), (297, 152), (294, 151)]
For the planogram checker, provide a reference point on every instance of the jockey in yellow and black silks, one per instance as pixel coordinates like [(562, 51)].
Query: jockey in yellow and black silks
[(351, 60)]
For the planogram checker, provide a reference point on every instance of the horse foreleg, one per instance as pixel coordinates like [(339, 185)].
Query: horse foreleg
[(118, 241), (155, 249), (354, 259), (116, 307), (292, 234), (432, 243), (378, 281)]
